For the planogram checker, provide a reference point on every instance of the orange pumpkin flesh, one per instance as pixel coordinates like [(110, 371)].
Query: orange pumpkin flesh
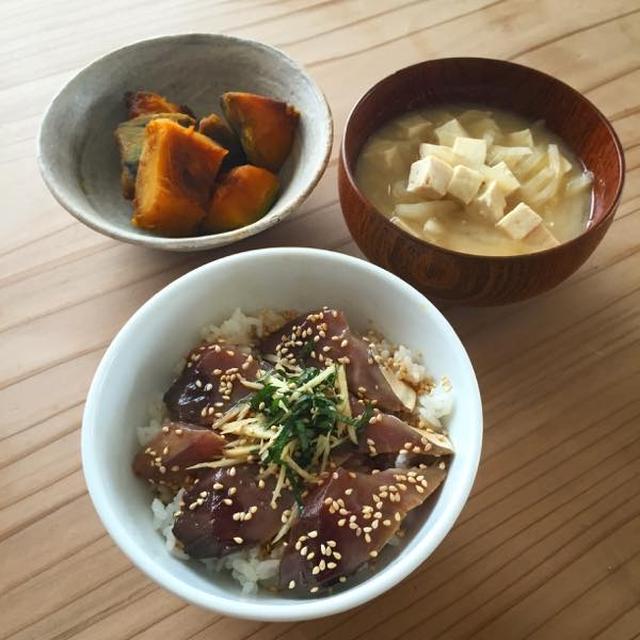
[(241, 197), (145, 102), (176, 173), (266, 127), (130, 138)]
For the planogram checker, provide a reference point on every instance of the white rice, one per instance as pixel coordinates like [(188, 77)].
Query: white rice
[(243, 330), (247, 566), (437, 403)]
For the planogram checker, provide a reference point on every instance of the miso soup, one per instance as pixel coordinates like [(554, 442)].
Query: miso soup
[(476, 181)]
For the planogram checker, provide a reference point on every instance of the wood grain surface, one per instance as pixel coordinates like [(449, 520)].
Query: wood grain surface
[(549, 543)]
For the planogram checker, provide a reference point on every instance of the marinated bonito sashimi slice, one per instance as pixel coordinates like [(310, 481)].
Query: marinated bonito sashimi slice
[(178, 446), (228, 509), (385, 433), (323, 337), (347, 520), (212, 381)]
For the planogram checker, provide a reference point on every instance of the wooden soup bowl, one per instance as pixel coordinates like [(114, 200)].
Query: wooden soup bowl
[(461, 277)]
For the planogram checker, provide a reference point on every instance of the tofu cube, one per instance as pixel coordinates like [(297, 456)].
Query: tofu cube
[(449, 131), (485, 128), (465, 183), (470, 151), (490, 202), (445, 154), (414, 128), (520, 221), (429, 177), (521, 138), (541, 238), (384, 155), (391, 158), (503, 176)]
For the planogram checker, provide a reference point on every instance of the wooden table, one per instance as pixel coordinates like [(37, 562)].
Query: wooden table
[(549, 543)]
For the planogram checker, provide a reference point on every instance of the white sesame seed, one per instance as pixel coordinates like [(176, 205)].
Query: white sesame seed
[(238, 540)]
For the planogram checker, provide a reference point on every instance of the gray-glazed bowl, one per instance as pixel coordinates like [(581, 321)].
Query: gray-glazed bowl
[(77, 153)]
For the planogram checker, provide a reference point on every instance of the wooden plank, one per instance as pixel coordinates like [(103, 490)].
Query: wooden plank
[(548, 545)]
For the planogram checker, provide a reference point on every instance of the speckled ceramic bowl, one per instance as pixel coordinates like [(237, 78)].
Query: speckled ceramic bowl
[(77, 152)]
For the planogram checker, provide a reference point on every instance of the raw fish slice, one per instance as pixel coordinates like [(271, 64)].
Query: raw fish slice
[(389, 434), (230, 509), (346, 521), (178, 446), (386, 433), (323, 337), (211, 383)]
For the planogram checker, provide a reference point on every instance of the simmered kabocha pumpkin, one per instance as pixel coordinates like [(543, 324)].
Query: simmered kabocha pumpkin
[(266, 127), (177, 169), (130, 138), (146, 102), (242, 196), (214, 127)]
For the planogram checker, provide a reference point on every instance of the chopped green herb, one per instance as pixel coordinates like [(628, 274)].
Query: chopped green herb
[(304, 407)]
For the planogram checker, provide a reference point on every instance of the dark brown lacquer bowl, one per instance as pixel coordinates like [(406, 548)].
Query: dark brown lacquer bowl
[(465, 278)]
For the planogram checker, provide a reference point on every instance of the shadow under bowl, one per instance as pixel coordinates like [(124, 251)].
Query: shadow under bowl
[(77, 152), (461, 277)]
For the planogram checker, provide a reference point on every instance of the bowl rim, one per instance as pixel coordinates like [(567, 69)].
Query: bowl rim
[(188, 243), (604, 220), (292, 609)]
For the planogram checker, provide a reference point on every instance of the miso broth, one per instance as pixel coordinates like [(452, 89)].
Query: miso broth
[(476, 181)]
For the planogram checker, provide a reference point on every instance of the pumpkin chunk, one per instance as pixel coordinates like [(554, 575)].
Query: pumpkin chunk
[(241, 197), (266, 127), (130, 138), (214, 127), (176, 173), (146, 102)]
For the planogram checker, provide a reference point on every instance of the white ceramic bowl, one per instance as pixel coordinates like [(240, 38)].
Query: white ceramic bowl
[(77, 152), (140, 362)]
